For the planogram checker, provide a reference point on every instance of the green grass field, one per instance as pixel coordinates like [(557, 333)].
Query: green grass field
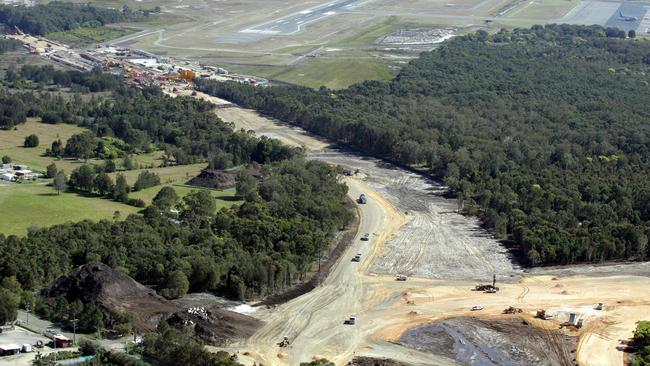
[(11, 144), (82, 36), (172, 174), (35, 204), (225, 198), (547, 9), (334, 73)]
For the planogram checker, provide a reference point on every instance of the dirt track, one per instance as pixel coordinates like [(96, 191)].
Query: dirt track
[(433, 243)]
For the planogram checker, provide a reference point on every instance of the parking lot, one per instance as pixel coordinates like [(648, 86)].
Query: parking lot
[(21, 336)]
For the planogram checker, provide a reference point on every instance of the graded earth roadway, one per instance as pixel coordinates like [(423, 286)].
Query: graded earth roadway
[(386, 308)]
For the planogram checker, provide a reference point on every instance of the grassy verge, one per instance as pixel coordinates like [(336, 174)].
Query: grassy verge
[(333, 73)]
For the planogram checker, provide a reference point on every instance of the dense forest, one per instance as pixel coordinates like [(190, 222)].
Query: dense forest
[(59, 16), (541, 132), (7, 45)]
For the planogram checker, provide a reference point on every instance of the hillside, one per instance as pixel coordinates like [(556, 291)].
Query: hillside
[(541, 132)]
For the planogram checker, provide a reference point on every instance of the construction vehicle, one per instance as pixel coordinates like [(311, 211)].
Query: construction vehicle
[(477, 308), (351, 320), (488, 288), (356, 258), (284, 342), (401, 278), (512, 310), (599, 306), (541, 314), (362, 199), (187, 75)]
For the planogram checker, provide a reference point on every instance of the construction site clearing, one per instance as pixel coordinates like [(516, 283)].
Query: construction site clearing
[(138, 67), (581, 319), (443, 254)]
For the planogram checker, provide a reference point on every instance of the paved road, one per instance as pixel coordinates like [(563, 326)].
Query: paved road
[(293, 23)]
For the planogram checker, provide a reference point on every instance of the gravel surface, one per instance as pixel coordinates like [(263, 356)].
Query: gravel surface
[(436, 242)]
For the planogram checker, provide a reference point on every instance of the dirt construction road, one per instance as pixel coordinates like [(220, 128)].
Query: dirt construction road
[(445, 254)]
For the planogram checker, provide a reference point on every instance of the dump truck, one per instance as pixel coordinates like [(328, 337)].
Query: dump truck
[(362, 199), (351, 320), (599, 306)]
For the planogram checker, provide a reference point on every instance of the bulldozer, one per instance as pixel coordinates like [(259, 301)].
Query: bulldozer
[(541, 314), (284, 342)]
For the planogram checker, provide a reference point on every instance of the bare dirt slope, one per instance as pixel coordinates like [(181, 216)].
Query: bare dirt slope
[(492, 342), (215, 326), (248, 119)]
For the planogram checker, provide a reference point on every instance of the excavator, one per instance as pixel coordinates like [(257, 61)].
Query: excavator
[(284, 342)]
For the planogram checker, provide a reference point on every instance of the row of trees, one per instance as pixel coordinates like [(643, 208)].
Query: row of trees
[(7, 45), (88, 180), (59, 16), (541, 132)]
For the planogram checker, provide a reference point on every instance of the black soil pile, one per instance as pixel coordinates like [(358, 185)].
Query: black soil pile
[(493, 342), (113, 292), (370, 361), (215, 326)]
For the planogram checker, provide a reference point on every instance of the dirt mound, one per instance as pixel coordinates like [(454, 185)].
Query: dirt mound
[(113, 292), (222, 179), (211, 178), (493, 342), (215, 326), (370, 361)]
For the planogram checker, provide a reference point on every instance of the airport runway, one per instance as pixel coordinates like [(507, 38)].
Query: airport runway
[(634, 13), (607, 14), (293, 23)]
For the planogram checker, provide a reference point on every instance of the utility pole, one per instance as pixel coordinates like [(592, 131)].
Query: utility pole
[(74, 331)]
